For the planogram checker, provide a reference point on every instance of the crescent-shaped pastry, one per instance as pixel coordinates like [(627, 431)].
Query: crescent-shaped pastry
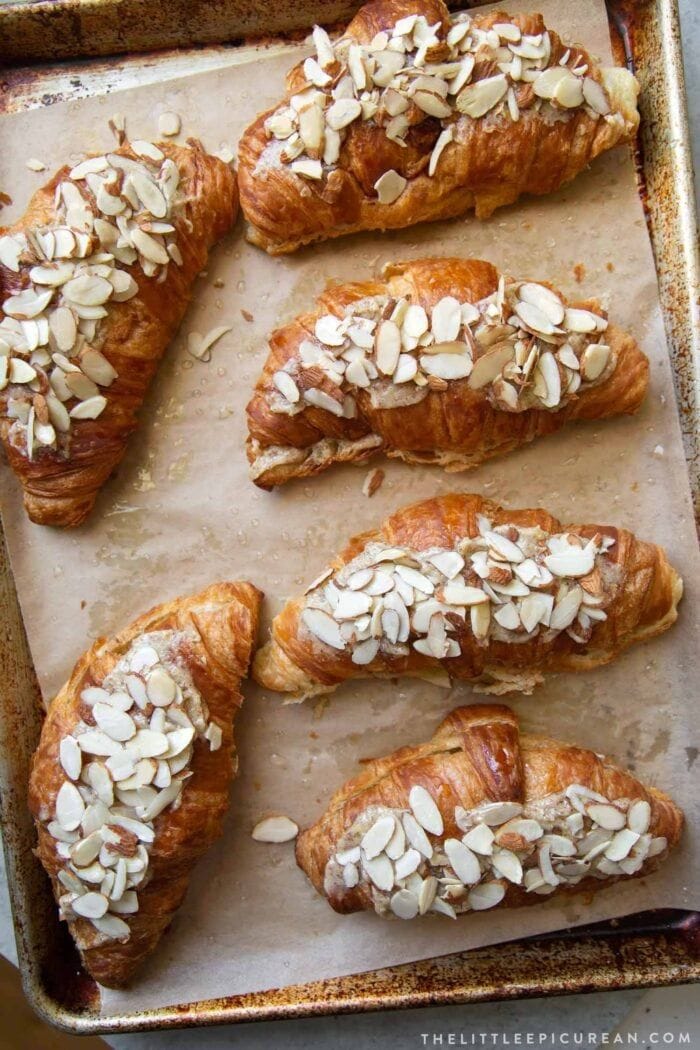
[(443, 361), (94, 281), (483, 816), (458, 586), (416, 115), (129, 784)]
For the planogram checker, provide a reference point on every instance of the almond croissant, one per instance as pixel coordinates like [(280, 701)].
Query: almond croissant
[(94, 281), (460, 586), (480, 816), (129, 784), (443, 361), (415, 115)]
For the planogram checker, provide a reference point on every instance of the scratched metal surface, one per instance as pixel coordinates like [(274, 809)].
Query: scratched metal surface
[(647, 950)]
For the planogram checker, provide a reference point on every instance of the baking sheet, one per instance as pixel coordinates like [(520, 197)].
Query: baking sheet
[(182, 512)]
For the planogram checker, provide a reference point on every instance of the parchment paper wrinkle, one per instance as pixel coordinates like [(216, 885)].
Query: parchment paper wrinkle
[(181, 512)]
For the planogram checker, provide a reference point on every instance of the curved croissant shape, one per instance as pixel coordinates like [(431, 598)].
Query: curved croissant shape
[(94, 281), (129, 784), (483, 816), (460, 587), (443, 361), (416, 115)]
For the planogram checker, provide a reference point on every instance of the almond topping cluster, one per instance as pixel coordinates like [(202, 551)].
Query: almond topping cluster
[(411, 868), (110, 213), (415, 72), (125, 763), (521, 344), (505, 584)]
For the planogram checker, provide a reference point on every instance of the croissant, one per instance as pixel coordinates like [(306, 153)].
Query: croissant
[(94, 281), (444, 361), (458, 586), (129, 784), (416, 115), (482, 816)]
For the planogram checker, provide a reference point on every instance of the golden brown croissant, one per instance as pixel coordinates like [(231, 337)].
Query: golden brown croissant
[(442, 362), (460, 586), (481, 816), (416, 115), (94, 281), (129, 784)]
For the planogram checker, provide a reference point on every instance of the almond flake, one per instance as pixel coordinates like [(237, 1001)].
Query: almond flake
[(91, 408), (477, 99), (169, 124), (463, 861), (380, 871), (390, 186), (487, 895), (425, 810), (69, 806), (70, 757), (404, 904), (323, 627), (594, 95)]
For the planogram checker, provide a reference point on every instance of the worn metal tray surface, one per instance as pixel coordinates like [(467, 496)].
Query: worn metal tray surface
[(656, 948)]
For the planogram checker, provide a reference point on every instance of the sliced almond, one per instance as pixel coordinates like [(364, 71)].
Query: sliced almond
[(487, 895), (388, 347), (569, 92), (149, 194), (489, 365), (286, 386), (10, 251), (477, 99), (27, 304), (343, 112), (464, 863), (425, 810), (595, 96), (69, 806), (594, 361), (308, 168), (97, 367), (390, 186), (447, 366), (91, 408), (169, 124), (547, 82), (323, 627), (566, 610), (377, 836), (404, 904)]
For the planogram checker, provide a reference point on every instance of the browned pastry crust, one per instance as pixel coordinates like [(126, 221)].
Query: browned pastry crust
[(646, 592), (221, 624), (457, 427), (490, 164), (60, 490), (477, 754)]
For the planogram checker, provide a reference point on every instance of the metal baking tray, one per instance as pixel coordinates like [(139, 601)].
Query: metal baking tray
[(650, 949)]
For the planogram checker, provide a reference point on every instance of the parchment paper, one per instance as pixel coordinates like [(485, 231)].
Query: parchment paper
[(182, 512)]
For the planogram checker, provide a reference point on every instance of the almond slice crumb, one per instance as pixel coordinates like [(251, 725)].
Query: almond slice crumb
[(200, 345), (36, 165), (372, 482), (277, 828), (169, 124)]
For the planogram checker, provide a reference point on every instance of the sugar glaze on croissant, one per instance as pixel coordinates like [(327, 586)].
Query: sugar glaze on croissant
[(483, 816), (416, 115), (443, 361), (458, 586), (94, 281), (129, 784)]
